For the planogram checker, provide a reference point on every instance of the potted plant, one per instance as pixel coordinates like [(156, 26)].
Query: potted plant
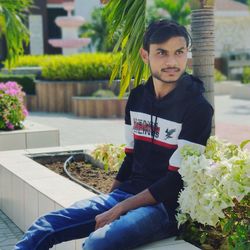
[(13, 133), (12, 109)]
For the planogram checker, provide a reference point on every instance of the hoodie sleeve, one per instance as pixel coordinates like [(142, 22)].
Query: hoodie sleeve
[(196, 129), (126, 167)]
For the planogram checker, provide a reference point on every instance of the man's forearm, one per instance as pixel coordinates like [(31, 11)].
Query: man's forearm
[(144, 198)]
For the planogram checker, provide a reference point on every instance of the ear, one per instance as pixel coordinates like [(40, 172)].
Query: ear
[(144, 55)]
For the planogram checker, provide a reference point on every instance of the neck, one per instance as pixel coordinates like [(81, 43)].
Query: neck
[(162, 88)]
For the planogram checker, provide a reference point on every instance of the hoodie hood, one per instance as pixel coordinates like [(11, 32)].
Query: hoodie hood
[(187, 87)]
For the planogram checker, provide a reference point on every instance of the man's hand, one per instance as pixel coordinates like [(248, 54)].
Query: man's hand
[(107, 217)]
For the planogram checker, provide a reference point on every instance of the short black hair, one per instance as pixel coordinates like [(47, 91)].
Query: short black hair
[(162, 30)]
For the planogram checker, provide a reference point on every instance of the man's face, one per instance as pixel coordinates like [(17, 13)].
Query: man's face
[(168, 60)]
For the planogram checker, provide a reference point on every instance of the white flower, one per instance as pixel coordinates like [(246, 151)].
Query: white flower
[(181, 218), (212, 180)]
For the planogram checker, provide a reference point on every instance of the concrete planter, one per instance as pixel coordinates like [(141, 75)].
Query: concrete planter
[(28, 190), (241, 91), (225, 87), (32, 136), (235, 89), (23, 71), (56, 96), (97, 107)]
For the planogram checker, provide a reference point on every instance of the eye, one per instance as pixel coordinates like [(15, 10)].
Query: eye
[(179, 52), (161, 52)]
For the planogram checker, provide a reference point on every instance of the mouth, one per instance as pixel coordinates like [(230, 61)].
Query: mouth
[(170, 70)]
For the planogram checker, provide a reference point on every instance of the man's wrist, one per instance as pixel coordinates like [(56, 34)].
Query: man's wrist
[(120, 208)]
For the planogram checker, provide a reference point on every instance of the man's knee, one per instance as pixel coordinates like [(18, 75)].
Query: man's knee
[(100, 240)]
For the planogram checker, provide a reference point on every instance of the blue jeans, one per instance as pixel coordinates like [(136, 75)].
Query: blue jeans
[(135, 228)]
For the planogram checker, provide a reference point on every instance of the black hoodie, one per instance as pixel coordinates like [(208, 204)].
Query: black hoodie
[(155, 131)]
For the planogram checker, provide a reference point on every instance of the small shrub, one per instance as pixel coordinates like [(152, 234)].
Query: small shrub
[(246, 75), (110, 155), (12, 110), (218, 76), (103, 93), (26, 81)]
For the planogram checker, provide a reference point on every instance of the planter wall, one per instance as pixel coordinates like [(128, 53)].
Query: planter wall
[(33, 135), (56, 96), (23, 71), (29, 190), (99, 107)]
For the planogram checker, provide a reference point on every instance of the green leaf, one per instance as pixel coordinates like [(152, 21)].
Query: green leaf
[(130, 17), (244, 143), (228, 226), (203, 238), (12, 15)]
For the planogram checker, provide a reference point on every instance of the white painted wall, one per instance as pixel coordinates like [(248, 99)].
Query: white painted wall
[(232, 33)]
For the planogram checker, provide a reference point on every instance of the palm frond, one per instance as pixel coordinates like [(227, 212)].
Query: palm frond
[(14, 30), (130, 17)]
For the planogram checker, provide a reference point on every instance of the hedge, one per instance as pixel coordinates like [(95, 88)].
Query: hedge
[(32, 60), (218, 76), (87, 66), (246, 75)]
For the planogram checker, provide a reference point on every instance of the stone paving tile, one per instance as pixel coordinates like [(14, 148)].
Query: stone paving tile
[(9, 233)]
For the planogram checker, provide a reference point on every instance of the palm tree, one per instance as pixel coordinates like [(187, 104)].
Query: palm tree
[(12, 26), (202, 32)]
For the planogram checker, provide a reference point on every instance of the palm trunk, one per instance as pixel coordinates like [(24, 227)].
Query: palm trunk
[(202, 31)]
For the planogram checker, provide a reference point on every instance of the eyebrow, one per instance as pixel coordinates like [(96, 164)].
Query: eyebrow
[(163, 50)]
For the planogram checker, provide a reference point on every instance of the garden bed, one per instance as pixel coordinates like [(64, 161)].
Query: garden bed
[(81, 168)]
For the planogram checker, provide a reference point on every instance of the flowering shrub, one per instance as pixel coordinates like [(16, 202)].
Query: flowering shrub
[(214, 204), (12, 110), (110, 155)]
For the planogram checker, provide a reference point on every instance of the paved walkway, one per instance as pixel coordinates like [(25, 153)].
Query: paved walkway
[(232, 121), (9, 233)]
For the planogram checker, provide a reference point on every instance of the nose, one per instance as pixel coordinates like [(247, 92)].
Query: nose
[(170, 61)]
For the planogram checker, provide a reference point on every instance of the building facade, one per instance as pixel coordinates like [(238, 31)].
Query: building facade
[(42, 22)]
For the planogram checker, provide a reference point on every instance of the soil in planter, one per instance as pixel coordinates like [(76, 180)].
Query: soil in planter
[(86, 173)]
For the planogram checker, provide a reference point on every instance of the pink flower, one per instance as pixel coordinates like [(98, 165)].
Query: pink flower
[(12, 92), (11, 99), (25, 112), (10, 126), (2, 86)]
